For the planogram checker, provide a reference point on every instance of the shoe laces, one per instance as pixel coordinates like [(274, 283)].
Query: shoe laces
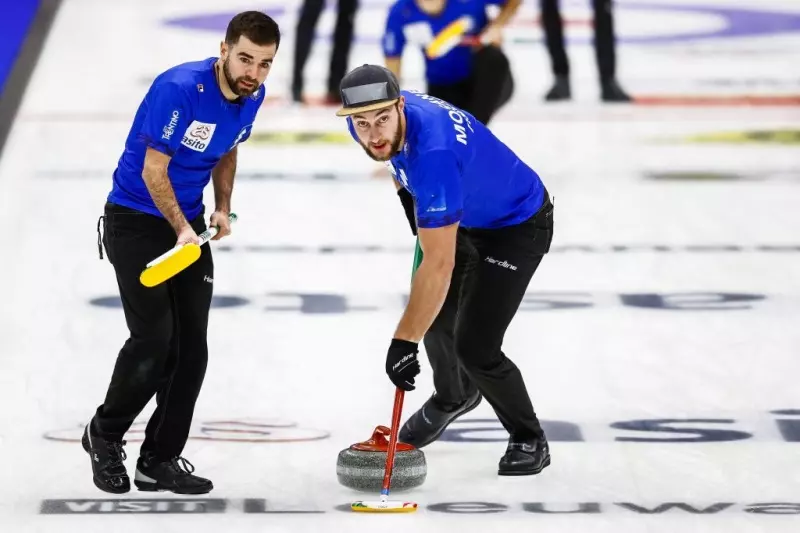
[(182, 465), (116, 453)]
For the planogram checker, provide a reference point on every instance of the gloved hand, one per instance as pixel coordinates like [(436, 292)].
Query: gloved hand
[(408, 205), (402, 364)]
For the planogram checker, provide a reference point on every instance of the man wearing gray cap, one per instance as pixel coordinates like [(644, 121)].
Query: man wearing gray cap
[(484, 221)]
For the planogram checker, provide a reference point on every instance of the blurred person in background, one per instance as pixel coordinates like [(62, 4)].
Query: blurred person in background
[(604, 47), (342, 40), (475, 74)]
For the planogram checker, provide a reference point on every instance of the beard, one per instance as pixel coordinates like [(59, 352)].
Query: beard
[(236, 84), (394, 148)]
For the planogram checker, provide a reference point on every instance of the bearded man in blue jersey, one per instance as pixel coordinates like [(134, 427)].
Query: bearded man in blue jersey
[(184, 135), (484, 221)]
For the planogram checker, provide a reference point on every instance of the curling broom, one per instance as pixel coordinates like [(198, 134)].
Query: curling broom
[(384, 504), (172, 262), (451, 36)]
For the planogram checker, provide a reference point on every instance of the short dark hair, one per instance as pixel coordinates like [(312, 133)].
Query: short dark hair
[(256, 26)]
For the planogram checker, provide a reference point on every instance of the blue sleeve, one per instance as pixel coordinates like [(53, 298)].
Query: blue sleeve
[(393, 38), (168, 116), (244, 134), (436, 182), (248, 130)]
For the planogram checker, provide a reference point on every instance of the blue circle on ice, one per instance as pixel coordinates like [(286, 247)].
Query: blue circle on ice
[(737, 22)]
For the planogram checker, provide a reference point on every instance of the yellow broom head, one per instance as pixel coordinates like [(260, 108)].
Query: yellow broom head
[(378, 506)]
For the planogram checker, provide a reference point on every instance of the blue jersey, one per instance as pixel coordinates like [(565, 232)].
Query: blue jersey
[(458, 171), (406, 23), (186, 116)]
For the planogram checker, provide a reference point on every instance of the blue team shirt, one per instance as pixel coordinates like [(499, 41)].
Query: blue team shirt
[(458, 171), (407, 24), (186, 116)]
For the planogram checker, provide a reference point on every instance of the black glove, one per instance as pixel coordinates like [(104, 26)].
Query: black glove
[(408, 205), (402, 364)]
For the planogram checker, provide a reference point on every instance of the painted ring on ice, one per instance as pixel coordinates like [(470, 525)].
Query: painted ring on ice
[(738, 22)]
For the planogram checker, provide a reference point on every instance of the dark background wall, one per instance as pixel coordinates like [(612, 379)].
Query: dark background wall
[(24, 25)]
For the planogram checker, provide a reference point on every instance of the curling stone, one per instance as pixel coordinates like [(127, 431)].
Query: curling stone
[(362, 465)]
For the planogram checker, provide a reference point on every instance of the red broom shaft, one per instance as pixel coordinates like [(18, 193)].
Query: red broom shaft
[(396, 413)]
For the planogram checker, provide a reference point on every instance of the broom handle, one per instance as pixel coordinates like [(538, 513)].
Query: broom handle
[(398, 404), (396, 411), (417, 259), (203, 238), (211, 232)]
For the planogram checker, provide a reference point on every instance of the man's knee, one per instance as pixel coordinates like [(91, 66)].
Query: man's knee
[(491, 58), (478, 353), (153, 339)]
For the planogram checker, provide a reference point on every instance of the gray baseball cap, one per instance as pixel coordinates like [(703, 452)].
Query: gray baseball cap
[(367, 88)]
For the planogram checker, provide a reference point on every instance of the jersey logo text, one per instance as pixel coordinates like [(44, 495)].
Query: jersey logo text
[(198, 136), (169, 129), (459, 118)]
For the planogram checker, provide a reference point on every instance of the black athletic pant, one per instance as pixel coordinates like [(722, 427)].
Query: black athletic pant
[(604, 44), (166, 353), (486, 90), (342, 39), (464, 345)]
